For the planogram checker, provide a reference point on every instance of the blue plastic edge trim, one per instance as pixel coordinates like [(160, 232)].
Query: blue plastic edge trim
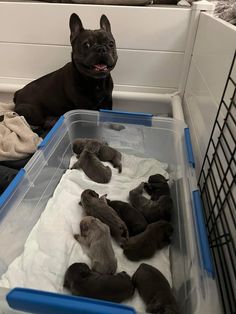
[(203, 239), (12, 186), (117, 116), (189, 147), (144, 114), (41, 302), (51, 132)]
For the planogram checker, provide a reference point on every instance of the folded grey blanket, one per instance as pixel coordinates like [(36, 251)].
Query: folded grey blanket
[(226, 10)]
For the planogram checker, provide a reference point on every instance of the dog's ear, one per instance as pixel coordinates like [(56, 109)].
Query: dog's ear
[(76, 25), (105, 24)]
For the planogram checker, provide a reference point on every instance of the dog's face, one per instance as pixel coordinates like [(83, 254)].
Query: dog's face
[(93, 51)]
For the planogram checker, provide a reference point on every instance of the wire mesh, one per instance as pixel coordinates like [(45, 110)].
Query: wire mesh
[(218, 191)]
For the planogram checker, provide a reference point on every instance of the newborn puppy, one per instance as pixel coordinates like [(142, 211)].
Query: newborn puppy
[(107, 153), (96, 236), (91, 165), (102, 151), (80, 143), (133, 218), (81, 281), (152, 210), (98, 207), (156, 236), (157, 186), (155, 290)]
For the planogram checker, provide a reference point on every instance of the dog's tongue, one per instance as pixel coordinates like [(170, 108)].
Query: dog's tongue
[(100, 67)]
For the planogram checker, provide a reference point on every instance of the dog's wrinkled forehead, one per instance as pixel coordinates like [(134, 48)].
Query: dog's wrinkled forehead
[(100, 37)]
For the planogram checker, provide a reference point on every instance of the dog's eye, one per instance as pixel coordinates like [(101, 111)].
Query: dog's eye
[(87, 44), (111, 44)]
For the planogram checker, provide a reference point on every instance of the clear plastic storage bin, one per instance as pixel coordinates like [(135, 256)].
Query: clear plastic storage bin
[(24, 200)]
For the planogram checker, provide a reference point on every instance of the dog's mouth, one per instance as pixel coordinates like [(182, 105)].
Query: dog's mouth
[(100, 67)]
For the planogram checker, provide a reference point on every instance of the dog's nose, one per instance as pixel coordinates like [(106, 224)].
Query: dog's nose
[(101, 49)]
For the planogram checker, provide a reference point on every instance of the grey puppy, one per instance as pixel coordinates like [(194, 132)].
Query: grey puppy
[(152, 210), (156, 236), (96, 236), (98, 207), (102, 150), (155, 290), (81, 281), (134, 219), (92, 166), (80, 143), (107, 153)]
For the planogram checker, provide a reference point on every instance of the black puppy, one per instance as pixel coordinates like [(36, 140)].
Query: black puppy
[(155, 290), (157, 186), (152, 210), (156, 236), (133, 218), (84, 83), (81, 281)]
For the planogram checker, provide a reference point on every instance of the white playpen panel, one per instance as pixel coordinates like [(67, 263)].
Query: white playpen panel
[(212, 56), (134, 67), (156, 28)]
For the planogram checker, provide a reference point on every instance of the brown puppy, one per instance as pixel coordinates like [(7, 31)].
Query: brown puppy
[(81, 281), (156, 236), (96, 236), (155, 290), (91, 165), (152, 210), (157, 186), (133, 218), (98, 207), (103, 151)]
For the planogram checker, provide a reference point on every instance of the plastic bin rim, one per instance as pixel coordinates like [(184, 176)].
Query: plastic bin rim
[(157, 118)]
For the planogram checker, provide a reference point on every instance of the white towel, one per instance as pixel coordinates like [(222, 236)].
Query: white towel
[(50, 248), (17, 140)]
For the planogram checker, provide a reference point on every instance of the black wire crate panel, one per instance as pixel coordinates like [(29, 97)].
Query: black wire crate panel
[(218, 191)]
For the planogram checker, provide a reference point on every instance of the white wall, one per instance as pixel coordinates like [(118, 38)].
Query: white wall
[(34, 40), (212, 56)]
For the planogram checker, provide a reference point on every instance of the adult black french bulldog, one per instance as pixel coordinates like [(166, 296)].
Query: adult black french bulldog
[(84, 83)]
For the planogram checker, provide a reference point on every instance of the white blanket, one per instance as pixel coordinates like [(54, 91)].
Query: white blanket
[(50, 248)]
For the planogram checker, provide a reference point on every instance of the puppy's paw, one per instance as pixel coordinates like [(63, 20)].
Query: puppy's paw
[(77, 237), (103, 198), (168, 232), (123, 242), (120, 168)]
